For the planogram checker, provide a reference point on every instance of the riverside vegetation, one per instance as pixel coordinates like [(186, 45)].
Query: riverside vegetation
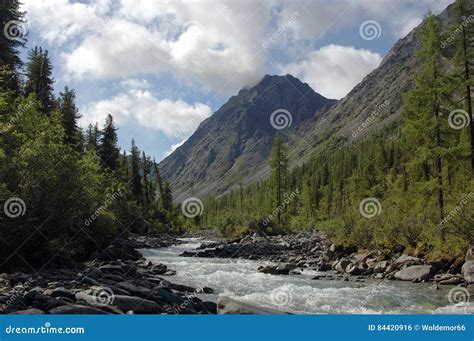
[(77, 199)]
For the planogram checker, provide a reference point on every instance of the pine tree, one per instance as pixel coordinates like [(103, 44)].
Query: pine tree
[(136, 182), (279, 166), (12, 38), (160, 185), (70, 115), (108, 150), (39, 79), (464, 60)]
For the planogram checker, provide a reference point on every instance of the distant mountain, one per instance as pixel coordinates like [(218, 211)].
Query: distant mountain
[(231, 146)]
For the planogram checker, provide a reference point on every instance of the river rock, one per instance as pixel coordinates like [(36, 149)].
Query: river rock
[(59, 292), (76, 309), (470, 253), (32, 311), (415, 273), (468, 272), (227, 305), (138, 305), (381, 267), (342, 264)]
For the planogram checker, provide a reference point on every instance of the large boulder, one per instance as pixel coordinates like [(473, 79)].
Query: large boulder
[(136, 304), (415, 273), (76, 309), (470, 253), (227, 305), (32, 311), (342, 265), (468, 271)]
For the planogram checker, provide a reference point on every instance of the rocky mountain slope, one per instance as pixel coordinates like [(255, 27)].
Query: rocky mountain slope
[(232, 146)]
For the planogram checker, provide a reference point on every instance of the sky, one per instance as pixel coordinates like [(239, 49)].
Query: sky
[(161, 67)]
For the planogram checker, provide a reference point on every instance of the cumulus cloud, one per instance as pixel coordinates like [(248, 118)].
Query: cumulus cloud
[(334, 70), (214, 43), (176, 119)]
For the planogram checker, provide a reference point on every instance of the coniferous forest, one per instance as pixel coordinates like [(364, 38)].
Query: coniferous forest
[(416, 174), (89, 226), (68, 180)]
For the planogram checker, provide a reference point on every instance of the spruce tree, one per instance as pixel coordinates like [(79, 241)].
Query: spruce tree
[(70, 115), (13, 38), (39, 79), (136, 182), (108, 150), (92, 138)]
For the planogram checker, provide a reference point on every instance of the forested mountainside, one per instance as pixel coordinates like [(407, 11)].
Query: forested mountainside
[(390, 164)]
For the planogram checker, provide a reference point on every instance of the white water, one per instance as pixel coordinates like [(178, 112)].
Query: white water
[(299, 293)]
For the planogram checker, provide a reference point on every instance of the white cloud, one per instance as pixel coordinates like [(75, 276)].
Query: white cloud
[(213, 43), (173, 118), (334, 70), (173, 148)]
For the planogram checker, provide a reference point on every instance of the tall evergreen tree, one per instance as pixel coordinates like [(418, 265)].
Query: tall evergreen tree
[(108, 150), (39, 79), (426, 133), (70, 115), (13, 38), (92, 138), (279, 166), (464, 60), (136, 182)]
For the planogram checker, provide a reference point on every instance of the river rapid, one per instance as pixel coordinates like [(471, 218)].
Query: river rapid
[(300, 294)]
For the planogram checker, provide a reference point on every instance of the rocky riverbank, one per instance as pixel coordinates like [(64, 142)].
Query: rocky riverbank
[(314, 251), (118, 281)]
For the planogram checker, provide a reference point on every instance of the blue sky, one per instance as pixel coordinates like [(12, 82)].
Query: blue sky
[(160, 67)]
